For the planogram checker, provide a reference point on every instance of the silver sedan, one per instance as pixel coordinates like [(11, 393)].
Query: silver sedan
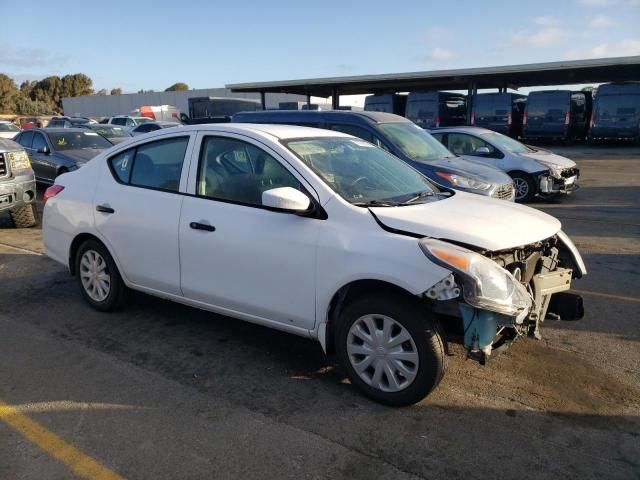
[(534, 172)]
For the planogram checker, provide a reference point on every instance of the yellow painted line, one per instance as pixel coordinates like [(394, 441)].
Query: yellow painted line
[(608, 295), (81, 464)]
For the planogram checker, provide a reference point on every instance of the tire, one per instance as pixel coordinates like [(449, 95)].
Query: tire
[(105, 294), (423, 352), (24, 217), (524, 186)]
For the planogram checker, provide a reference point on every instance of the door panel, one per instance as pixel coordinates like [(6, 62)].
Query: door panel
[(142, 231), (257, 262)]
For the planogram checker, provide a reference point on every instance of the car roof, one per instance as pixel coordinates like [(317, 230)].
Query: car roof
[(374, 117), (461, 128), (58, 130)]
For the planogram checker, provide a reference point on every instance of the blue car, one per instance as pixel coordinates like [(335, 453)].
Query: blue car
[(405, 140)]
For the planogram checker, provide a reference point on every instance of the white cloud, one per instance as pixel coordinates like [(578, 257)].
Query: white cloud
[(606, 50), (546, 21), (545, 37), (601, 21), (440, 54)]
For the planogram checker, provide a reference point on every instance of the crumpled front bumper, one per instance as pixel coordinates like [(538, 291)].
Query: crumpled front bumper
[(17, 191), (565, 184)]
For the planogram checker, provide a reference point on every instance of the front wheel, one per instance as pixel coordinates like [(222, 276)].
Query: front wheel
[(525, 187), (390, 349), (98, 277)]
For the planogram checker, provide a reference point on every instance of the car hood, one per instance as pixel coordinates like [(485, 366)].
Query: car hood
[(549, 157), (80, 155), (470, 219), (471, 168)]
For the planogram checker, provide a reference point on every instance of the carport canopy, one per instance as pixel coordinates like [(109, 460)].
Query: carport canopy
[(598, 70)]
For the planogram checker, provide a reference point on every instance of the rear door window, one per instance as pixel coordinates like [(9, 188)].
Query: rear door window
[(25, 139)]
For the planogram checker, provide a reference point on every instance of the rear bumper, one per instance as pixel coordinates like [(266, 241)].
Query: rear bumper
[(17, 191)]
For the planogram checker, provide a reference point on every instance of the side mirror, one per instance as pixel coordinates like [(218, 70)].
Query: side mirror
[(482, 151), (44, 150), (286, 198)]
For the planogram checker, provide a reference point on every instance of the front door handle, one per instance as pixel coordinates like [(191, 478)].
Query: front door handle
[(105, 209), (202, 226)]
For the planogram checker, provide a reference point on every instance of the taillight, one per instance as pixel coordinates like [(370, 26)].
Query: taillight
[(437, 121), (51, 192), (473, 119), (524, 119), (509, 118), (567, 118)]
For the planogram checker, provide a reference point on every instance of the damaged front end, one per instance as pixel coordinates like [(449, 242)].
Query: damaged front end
[(506, 294)]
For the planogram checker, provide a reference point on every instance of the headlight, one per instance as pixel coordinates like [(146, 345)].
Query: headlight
[(464, 182), (18, 160), (485, 284), (556, 170)]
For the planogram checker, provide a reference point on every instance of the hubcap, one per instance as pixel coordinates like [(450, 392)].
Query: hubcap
[(95, 275), (521, 186), (382, 352)]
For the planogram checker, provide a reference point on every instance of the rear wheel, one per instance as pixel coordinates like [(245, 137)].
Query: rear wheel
[(24, 217), (390, 349), (525, 187), (98, 277)]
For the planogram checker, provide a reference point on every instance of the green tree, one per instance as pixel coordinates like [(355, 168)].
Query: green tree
[(76, 85), (178, 87), (102, 92), (25, 106), (116, 91), (48, 90), (8, 93)]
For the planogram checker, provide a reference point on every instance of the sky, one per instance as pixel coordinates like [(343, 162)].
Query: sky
[(145, 44)]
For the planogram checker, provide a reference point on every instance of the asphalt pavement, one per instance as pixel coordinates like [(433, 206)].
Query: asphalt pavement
[(164, 391)]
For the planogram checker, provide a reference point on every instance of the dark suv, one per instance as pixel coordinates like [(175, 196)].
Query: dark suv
[(405, 140)]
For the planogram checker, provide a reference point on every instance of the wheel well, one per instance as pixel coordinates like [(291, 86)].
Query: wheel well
[(353, 290), (75, 245)]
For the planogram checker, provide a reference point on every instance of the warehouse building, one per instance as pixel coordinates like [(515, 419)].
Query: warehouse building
[(109, 105)]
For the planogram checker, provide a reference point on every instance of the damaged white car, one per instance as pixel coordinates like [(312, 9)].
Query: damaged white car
[(315, 233)]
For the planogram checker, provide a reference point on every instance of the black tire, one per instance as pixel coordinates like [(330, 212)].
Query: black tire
[(414, 318), (24, 217), (529, 189), (117, 292)]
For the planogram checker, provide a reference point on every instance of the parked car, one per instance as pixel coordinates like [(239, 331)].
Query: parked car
[(68, 122), (616, 112), (152, 127), (17, 185), (126, 121), (386, 102), (500, 112), (406, 141), (8, 129), (534, 171), (29, 122), (114, 133), (557, 115), (364, 254), (54, 151), (436, 109)]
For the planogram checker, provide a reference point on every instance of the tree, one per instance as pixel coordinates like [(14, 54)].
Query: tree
[(116, 91), (48, 90), (178, 87), (26, 86), (102, 92), (8, 93), (25, 106), (76, 85)]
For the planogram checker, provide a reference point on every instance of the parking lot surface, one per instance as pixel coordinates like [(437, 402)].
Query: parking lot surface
[(160, 390)]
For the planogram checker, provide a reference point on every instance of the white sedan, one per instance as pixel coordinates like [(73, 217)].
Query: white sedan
[(316, 233)]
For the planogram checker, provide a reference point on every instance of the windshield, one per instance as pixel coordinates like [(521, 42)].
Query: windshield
[(8, 127), (141, 120), (414, 142), (77, 140), (506, 143), (361, 173), (111, 132)]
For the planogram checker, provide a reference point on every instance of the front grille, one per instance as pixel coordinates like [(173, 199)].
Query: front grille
[(569, 172), (503, 192), (4, 171)]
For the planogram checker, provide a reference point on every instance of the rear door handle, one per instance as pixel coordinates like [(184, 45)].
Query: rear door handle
[(202, 226), (105, 209)]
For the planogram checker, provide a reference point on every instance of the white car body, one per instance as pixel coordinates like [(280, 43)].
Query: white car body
[(271, 267), (13, 130), (552, 173)]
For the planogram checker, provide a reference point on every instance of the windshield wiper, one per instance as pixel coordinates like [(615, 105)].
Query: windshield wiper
[(419, 196), (378, 203)]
